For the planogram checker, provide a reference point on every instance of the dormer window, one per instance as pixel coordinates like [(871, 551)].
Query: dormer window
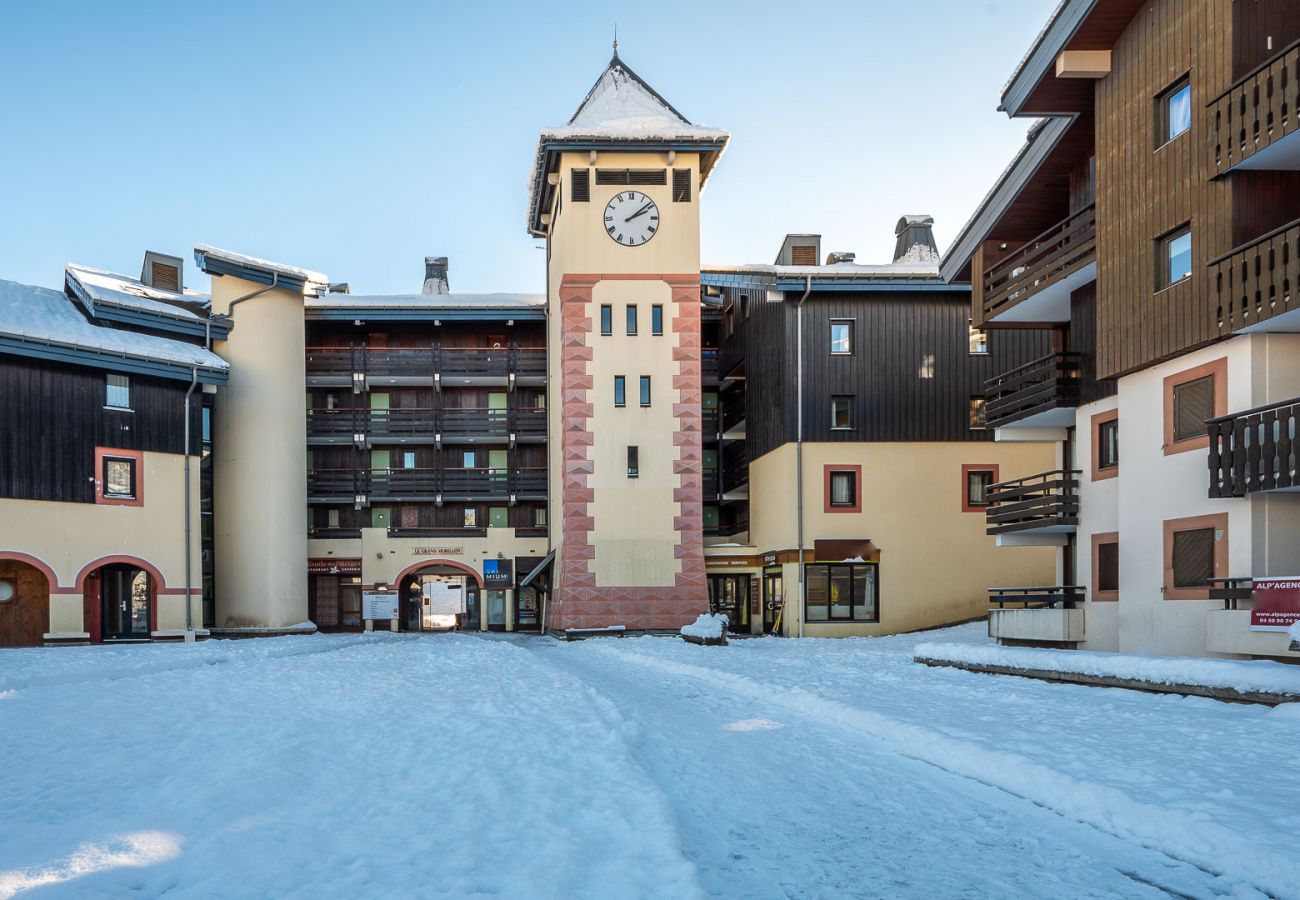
[(162, 272)]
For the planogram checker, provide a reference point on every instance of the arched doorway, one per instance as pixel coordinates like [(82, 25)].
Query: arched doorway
[(24, 604), (122, 595), (439, 597)]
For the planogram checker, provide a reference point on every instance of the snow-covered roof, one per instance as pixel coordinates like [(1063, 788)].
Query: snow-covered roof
[(620, 107), (426, 301), (310, 280), (45, 316), (835, 270), (110, 288)]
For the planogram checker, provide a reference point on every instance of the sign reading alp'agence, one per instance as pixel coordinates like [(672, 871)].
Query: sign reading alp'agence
[(1276, 604)]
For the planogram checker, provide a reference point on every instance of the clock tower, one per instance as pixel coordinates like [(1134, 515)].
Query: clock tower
[(615, 193)]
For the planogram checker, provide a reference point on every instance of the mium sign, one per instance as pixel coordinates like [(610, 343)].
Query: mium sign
[(498, 573), (1276, 603)]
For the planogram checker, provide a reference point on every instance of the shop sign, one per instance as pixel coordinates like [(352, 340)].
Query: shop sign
[(498, 573), (769, 559), (379, 605), (1276, 603), (437, 551)]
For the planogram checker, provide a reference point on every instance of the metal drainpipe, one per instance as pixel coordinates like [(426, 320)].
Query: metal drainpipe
[(189, 612), (807, 289)]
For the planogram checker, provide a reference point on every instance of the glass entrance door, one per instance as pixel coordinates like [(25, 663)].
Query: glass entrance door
[(773, 597), (527, 604), (730, 594), (124, 595), (496, 610)]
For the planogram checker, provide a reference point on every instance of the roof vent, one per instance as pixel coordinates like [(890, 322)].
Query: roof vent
[(915, 245), (835, 257), (435, 275), (800, 250), (163, 272)]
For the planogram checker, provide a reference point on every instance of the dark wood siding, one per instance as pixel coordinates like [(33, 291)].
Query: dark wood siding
[(1144, 189), (1082, 339), (911, 374), (52, 417)]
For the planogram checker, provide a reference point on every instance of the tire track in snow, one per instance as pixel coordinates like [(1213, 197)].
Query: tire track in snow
[(1185, 836)]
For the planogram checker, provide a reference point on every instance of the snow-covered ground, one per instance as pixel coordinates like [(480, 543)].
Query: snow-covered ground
[(455, 765)]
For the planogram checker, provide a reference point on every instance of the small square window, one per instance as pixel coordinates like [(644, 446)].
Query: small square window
[(119, 478), (1175, 257), (1108, 444), (633, 462), (620, 390), (607, 319), (1107, 567), (842, 413), (978, 414), (979, 341), (1193, 404), (1175, 111), (978, 482), (842, 337), (645, 390), (539, 516), (657, 320), (631, 319), (118, 392), (844, 489), (332, 518)]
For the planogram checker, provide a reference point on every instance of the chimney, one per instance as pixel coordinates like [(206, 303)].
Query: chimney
[(435, 275), (915, 245)]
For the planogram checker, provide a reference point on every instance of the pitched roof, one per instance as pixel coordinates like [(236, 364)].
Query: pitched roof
[(104, 287)]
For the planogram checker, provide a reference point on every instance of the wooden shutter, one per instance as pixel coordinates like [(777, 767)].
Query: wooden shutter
[(580, 185), (1107, 567), (165, 277), (681, 185), (1193, 557), (803, 256), (631, 176), (1193, 404)]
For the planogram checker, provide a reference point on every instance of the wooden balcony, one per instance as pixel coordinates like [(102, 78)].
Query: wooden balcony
[(1046, 502), (1254, 120), (1033, 284), (1043, 392), (1041, 597), (427, 485), (709, 365), (1255, 450), (426, 425), (1257, 282), (420, 365)]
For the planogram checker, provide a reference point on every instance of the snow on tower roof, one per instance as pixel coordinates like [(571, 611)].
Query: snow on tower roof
[(620, 107), (41, 316)]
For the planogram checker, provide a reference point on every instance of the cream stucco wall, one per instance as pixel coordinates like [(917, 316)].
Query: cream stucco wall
[(384, 558), (68, 537), (260, 450), (1098, 514), (936, 562)]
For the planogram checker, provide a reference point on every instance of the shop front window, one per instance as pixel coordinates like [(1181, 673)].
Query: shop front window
[(841, 592)]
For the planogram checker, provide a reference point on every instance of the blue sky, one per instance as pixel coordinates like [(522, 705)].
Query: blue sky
[(355, 138)]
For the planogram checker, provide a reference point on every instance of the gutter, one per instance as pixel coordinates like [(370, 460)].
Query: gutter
[(798, 445), (189, 610)]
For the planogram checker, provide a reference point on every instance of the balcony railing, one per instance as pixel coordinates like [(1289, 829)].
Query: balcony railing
[(1258, 280), (710, 424), (1067, 596), (453, 362), (735, 472), (711, 484), (1054, 255), (733, 411), (1046, 501), (426, 422), (490, 483), (1232, 591), (1257, 111), (709, 364), (450, 531), (1044, 384), (1255, 450)]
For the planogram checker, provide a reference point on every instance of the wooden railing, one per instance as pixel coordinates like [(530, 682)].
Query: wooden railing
[(1255, 450), (1258, 280), (463, 362), (1051, 382), (733, 410), (1045, 500), (449, 531), (1232, 591), (1067, 596), (425, 422), (1258, 110), (709, 364), (428, 483), (1055, 254)]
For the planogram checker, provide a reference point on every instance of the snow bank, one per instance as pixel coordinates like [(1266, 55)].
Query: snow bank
[(1294, 632), (1239, 675), (708, 626)]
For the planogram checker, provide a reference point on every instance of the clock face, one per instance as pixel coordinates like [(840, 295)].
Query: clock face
[(631, 218)]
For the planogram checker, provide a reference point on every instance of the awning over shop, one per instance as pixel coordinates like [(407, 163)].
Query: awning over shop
[(331, 566), (844, 550), (538, 570)]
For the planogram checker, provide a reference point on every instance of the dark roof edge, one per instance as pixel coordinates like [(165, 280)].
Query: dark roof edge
[(1008, 186), (214, 266), (129, 315), (59, 351), (1040, 59)]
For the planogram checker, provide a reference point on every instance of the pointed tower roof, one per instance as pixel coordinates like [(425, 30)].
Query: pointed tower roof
[(620, 109)]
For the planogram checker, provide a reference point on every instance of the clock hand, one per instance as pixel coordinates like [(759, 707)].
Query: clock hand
[(639, 212)]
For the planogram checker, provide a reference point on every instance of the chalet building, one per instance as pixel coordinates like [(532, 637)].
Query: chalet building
[(105, 393), (1150, 222), (846, 429)]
